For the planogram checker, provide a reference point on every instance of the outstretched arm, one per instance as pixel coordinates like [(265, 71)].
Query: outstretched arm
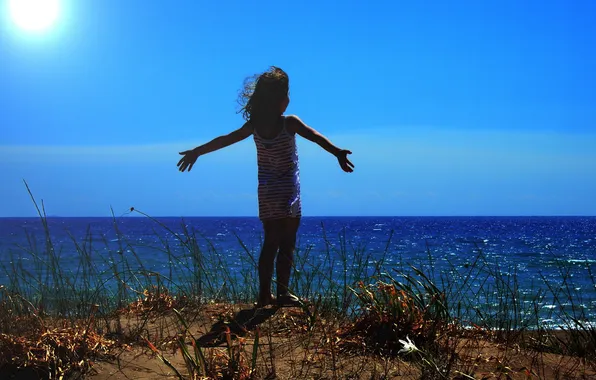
[(190, 156), (296, 125)]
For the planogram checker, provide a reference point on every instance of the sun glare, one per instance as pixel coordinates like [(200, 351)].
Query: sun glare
[(34, 15)]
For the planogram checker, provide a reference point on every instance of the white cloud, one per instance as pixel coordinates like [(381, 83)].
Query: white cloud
[(114, 152), (98, 153), (377, 142), (398, 171)]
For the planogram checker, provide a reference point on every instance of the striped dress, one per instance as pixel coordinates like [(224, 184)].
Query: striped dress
[(279, 177)]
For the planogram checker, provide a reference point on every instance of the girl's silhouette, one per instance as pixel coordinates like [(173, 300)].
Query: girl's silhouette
[(264, 100)]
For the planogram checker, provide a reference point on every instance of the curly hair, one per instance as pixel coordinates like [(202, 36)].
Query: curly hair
[(263, 93)]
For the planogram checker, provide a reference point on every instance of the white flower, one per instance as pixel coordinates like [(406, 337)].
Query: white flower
[(409, 346)]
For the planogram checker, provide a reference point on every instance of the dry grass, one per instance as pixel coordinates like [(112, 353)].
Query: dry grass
[(48, 347), (286, 345)]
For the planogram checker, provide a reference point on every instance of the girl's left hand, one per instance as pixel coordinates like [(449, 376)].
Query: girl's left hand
[(342, 158), (189, 159)]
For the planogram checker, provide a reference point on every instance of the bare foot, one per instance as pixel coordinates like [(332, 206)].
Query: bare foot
[(288, 299), (264, 301)]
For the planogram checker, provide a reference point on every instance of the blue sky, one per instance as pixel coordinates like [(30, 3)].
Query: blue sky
[(449, 108)]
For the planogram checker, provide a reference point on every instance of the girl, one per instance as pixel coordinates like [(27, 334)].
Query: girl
[(264, 99)]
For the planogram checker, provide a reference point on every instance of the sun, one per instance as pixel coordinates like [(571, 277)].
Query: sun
[(34, 15)]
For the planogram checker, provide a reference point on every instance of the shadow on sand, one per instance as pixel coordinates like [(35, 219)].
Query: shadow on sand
[(243, 322)]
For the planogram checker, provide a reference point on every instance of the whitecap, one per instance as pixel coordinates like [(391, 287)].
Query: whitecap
[(581, 261)]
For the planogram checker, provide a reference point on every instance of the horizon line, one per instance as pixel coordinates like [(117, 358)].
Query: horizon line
[(313, 216)]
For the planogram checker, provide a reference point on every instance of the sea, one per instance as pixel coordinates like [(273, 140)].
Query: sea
[(537, 263)]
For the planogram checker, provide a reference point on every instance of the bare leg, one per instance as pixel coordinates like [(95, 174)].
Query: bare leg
[(285, 258), (266, 259)]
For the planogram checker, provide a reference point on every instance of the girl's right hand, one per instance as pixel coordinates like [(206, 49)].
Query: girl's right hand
[(342, 158), (189, 159)]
